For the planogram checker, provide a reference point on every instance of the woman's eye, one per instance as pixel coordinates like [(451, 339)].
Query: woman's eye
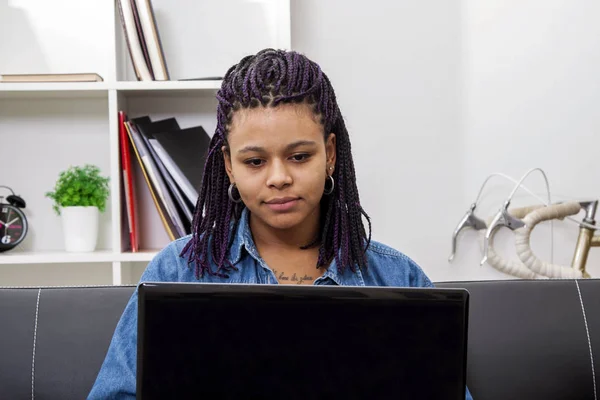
[(300, 157), (254, 162)]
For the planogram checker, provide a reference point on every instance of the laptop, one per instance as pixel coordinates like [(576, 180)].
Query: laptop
[(233, 341)]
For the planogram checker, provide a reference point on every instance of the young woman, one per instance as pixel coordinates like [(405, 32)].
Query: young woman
[(278, 204)]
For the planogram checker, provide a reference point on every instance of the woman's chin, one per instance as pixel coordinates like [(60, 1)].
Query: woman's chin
[(284, 221), (281, 220)]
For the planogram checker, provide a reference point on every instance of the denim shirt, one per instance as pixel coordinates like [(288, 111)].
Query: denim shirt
[(117, 376)]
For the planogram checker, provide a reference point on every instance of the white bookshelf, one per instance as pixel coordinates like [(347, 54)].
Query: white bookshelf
[(50, 126)]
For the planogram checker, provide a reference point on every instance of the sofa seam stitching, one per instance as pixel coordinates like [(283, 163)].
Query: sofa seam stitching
[(587, 331), (37, 309)]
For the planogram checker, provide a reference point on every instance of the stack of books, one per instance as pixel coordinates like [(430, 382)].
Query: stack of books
[(172, 162), (143, 40)]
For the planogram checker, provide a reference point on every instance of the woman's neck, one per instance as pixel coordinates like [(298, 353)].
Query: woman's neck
[(292, 238)]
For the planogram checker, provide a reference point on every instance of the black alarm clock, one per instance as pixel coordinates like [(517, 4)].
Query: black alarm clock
[(13, 224)]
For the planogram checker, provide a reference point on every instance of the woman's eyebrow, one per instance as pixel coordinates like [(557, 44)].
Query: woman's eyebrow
[(250, 149), (289, 147)]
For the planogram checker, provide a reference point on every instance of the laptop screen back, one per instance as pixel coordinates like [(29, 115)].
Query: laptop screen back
[(288, 342)]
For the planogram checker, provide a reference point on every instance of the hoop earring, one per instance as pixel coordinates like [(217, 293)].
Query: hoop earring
[(330, 190), (230, 193)]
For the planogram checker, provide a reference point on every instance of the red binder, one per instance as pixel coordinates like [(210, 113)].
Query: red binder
[(128, 185)]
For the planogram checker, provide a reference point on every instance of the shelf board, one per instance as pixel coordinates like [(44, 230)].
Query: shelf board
[(142, 255), (54, 90), (168, 88), (53, 257), (63, 257), (100, 89)]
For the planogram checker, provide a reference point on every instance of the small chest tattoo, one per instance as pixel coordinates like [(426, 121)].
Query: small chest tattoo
[(293, 278)]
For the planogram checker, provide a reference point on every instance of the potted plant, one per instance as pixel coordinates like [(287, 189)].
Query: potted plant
[(80, 195)]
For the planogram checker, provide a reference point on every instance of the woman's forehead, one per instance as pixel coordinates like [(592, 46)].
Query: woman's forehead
[(274, 126)]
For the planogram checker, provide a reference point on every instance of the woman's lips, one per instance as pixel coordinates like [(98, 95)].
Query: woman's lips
[(282, 204)]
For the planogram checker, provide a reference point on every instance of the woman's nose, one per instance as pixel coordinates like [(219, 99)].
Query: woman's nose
[(279, 175)]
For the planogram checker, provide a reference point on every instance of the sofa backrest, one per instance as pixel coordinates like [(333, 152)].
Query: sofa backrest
[(53, 340), (527, 339)]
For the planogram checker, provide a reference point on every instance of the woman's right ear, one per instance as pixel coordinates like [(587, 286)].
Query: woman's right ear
[(227, 160)]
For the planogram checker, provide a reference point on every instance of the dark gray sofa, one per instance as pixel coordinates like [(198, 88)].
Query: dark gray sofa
[(527, 339)]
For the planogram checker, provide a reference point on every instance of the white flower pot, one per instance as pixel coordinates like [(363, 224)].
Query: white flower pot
[(80, 228)]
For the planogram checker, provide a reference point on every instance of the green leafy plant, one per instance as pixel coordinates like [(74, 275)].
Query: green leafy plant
[(80, 186)]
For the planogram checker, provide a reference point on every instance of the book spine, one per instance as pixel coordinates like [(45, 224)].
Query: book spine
[(150, 29), (132, 40), (143, 42)]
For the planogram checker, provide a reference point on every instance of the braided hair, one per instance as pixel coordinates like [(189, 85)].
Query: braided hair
[(267, 79)]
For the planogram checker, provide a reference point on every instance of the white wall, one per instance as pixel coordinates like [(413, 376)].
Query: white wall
[(33, 37), (438, 94)]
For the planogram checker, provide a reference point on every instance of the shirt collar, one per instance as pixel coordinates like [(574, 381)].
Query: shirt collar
[(243, 240), (345, 278)]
